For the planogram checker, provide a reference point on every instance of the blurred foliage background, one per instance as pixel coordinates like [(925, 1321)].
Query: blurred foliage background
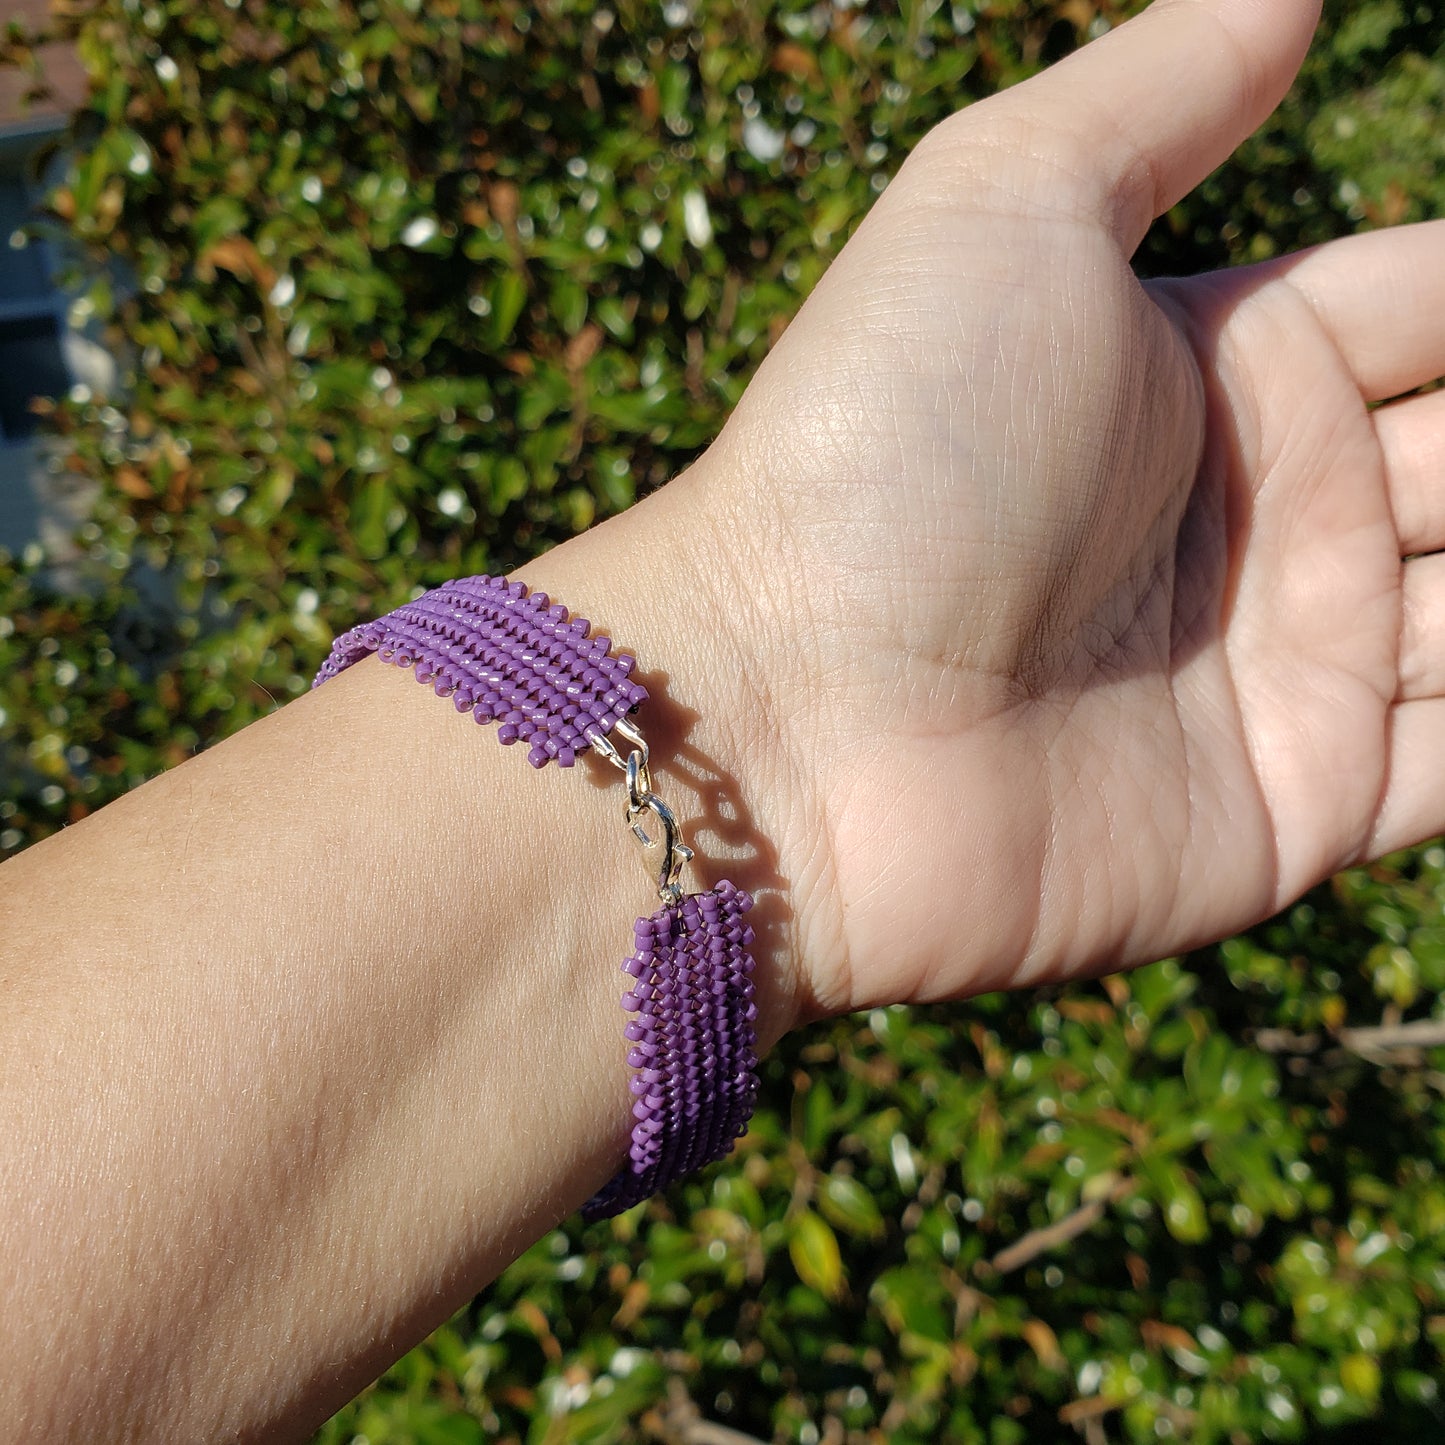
[(405, 290)]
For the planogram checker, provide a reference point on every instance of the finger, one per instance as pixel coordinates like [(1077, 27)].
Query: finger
[(1412, 441), (1412, 805), (1132, 122), (1422, 632), (1380, 296)]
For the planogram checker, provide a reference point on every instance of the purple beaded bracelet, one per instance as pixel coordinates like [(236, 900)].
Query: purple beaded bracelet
[(514, 657), (508, 656)]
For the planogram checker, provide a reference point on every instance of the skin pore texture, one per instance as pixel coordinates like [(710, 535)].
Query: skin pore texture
[(1015, 592)]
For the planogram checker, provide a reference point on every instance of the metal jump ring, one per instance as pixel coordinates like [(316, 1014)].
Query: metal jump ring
[(639, 780)]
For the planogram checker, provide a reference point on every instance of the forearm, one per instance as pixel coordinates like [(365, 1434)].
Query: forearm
[(306, 1040)]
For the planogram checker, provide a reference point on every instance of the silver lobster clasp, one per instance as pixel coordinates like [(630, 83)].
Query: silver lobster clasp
[(664, 858)]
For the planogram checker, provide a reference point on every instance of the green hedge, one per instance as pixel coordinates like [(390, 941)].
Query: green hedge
[(402, 290)]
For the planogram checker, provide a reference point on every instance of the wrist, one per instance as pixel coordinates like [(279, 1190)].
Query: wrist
[(662, 581)]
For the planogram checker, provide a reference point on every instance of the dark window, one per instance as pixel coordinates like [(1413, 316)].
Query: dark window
[(31, 364), (32, 310), (23, 272)]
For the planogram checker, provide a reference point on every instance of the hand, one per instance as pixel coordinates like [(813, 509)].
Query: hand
[(1081, 601)]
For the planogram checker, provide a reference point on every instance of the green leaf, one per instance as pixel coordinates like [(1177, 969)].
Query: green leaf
[(569, 304), (847, 1204), (813, 1248), (1180, 1203), (369, 515), (548, 391), (1360, 1375), (817, 1118), (509, 483), (615, 316), (913, 1301), (673, 86), (509, 296)]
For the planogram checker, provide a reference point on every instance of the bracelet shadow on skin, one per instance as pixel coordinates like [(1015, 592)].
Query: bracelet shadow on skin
[(714, 819)]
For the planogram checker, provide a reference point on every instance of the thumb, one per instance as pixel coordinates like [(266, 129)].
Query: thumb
[(1128, 125)]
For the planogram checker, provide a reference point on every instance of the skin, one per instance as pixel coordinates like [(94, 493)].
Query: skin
[(1024, 622)]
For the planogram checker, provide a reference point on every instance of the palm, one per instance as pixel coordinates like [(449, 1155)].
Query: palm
[(1083, 687)]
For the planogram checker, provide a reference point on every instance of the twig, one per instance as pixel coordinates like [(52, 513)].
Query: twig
[(1040, 1241), (684, 1422), (704, 1432), (1420, 1034), (1285, 1041), (1375, 1044), (1089, 1408)]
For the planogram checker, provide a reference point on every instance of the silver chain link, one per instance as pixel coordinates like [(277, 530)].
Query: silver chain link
[(641, 800)]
